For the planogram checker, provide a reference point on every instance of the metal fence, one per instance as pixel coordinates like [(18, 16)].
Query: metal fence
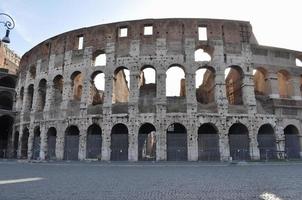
[(119, 147), (177, 147)]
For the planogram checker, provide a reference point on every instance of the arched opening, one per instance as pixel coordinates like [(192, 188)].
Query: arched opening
[(177, 142), (292, 143), (94, 142), (201, 56), (6, 100), (233, 82), (97, 87), (239, 142), (32, 71), (36, 143), (71, 147), (146, 142), (205, 85), (24, 143), (99, 58), (6, 123), (21, 97), (57, 90), (7, 82), (119, 142), (208, 142), (284, 85), (267, 142), (41, 95), (175, 82), (51, 143), (77, 85), (147, 82), (16, 143), (298, 62), (121, 83), (260, 81), (30, 94)]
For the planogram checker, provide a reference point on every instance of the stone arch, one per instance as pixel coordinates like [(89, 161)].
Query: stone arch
[(51, 143), (77, 85), (284, 84), (205, 85), (119, 142), (147, 142), (233, 81), (7, 82), (175, 81), (292, 141), (30, 95), (208, 142), (41, 95), (121, 83), (99, 58), (58, 83), (267, 142), (6, 123), (97, 87), (94, 142), (24, 143), (32, 71), (260, 81), (6, 100), (36, 143), (71, 147), (147, 83), (177, 142), (239, 142)]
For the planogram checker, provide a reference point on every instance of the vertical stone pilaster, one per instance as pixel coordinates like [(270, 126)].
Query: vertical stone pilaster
[(30, 143), (295, 83), (60, 142), (161, 142), (133, 142), (43, 147), (273, 89), (192, 141), (82, 142), (106, 140), (191, 93)]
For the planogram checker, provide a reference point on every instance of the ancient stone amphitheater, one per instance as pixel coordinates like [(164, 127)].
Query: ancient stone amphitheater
[(159, 89)]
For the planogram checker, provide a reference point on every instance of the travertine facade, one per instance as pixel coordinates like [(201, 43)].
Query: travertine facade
[(254, 112)]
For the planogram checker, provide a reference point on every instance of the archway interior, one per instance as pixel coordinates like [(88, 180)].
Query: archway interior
[(77, 85), (57, 90), (233, 83), (284, 84), (121, 84), (7, 82), (6, 100), (6, 123), (175, 82), (16, 143), (292, 143), (51, 143), (147, 142), (119, 142), (41, 95), (176, 142), (260, 81), (36, 143), (208, 142), (98, 88), (205, 85), (239, 142), (71, 148), (94, 142), (24, 143), (30, 94), (147, 82), (267, 142)]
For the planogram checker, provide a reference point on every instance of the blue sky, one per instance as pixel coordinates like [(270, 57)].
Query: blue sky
[(275, 23)]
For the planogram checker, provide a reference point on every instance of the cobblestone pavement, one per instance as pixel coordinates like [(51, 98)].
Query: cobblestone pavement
[(97, 180)]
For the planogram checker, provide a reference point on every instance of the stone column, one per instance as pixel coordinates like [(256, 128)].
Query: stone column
[(192, 140), (49, 96), (191, 93), (161, 142), (273, 90), (30, 143), (20, 141), (161, 93), (35, 98), (280, 140), (248, 94), (224, 146), (43, 147), (60, 141), (220, 91), (86, 91), (106, 140), (67, 90), (82, 142), (133, 142), (295, 83), (253, 145)]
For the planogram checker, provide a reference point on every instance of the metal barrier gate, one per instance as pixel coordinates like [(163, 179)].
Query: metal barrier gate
[(208, 147), (292, 146), (51, 147), (71, 148), (177, 146), (239, 146), (119, 147), (94, 146)]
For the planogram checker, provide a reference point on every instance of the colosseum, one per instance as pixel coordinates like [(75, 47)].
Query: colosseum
[(158, 89)]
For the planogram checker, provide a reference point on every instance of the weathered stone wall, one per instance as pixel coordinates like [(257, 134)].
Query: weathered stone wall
[(173, 43)]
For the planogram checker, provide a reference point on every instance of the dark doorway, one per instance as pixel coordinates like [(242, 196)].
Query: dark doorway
[(208, 142), (177, 142), (292, 143), (24, 143), (36, 143), (51, 143), (71, 150), (6, 123), (239, 142), (94, 142), (267, 142), (146, 142), (119, 142)]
